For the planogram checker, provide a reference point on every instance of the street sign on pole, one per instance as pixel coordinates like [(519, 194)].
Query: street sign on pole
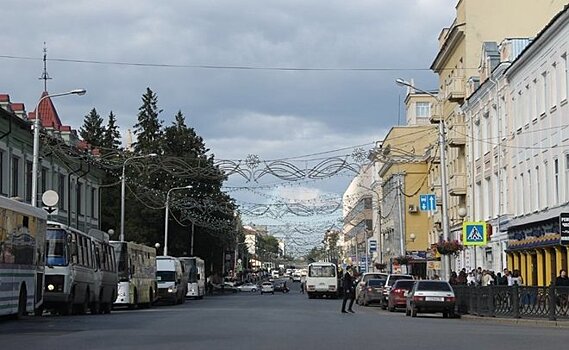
[(474, 233), (427, 202), (372, 245)]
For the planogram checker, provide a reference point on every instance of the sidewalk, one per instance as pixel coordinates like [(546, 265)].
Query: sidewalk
[(518, 321)]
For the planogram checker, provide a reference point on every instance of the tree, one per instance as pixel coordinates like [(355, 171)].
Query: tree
[(179, 139), (92, 129), (111, 135), (148, 130)]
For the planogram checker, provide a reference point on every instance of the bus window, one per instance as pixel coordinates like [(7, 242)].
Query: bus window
[(56, 248)]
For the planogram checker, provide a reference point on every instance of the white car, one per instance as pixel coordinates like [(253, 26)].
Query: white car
[(248, 287), (267, 287)]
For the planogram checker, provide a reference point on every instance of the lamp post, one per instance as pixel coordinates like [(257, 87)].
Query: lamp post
[(166, 215), (123, 189), (444, 185), (36, 150)]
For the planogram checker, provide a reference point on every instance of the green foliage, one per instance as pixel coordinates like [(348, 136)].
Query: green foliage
[(111, 135), (315, 254), (267, 245), (92, 130), (148, 130)]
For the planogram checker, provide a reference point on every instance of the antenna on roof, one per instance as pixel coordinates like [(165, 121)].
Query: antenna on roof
[(45, 77)]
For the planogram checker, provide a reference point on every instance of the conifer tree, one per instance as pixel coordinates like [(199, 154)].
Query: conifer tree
[(148, 130), (111, 134), (92, 129)]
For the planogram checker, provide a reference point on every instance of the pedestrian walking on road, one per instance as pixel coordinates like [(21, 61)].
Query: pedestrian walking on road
[(349, 291), (302, 283)]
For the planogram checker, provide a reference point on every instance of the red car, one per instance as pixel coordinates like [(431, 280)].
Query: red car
[(398, 294)]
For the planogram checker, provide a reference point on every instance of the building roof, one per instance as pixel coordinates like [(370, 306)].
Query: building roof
[(47, 112)]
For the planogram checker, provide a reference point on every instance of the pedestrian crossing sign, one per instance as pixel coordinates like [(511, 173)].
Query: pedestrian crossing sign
[(474, 233)]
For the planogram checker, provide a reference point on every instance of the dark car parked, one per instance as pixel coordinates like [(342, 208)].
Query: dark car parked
[(371, 292)]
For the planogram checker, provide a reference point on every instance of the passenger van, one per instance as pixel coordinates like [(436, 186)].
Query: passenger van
[(172, 281), (195, 270), (322, 280)]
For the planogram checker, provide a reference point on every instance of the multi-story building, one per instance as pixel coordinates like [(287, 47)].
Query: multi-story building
[(487, 113), (476, 22), (404, 175), (76, 182), (357, 217), (538, 158)]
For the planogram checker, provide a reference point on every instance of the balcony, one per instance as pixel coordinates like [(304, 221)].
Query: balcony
[(457, 135), (457, 185), (455, 89), (436, 113), (432, 154)]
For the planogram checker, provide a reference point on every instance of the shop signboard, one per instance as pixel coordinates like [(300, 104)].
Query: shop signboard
[(564, 227)]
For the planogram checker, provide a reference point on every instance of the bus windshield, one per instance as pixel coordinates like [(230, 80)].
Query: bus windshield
[(122, 259), (322, 271), (56, 247), (165, 276)]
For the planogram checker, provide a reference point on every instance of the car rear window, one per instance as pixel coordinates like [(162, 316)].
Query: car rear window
[(394, 278), (375, 282), (434, 285), (378, 276), (404, 284)]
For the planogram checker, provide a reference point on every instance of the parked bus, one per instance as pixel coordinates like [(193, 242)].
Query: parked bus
[(137, 274), (72, 276), (106, 275), (195, 268), (322, 280), (22, 258)]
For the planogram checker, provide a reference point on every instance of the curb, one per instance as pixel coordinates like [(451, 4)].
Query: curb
[(518, 321)]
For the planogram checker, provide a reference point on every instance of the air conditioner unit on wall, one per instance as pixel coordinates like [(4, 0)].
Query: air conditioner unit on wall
[(412, 208)]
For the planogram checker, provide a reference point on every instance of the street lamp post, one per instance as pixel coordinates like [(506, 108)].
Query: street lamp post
[(444, 186), (123, 189), (166, 215), (36, 150)]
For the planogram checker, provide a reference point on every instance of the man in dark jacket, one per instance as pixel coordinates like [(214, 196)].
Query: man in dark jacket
[(349, 292)]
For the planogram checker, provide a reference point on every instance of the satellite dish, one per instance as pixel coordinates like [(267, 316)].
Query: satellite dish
[(50, 198)]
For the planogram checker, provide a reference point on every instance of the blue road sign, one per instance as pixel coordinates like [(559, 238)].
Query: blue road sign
[(474, 233), (427, 202), (372, 244)]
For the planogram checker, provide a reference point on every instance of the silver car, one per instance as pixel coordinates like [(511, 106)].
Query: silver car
[(267, 287), (430, 297)]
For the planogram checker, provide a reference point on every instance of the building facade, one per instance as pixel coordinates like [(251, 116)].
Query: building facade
[(75, 181)]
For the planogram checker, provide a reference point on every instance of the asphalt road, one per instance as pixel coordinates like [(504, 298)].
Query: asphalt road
[(280, 321)]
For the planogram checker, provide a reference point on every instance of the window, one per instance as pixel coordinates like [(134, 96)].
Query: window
[(538, 189), (544, 91), (43, 180), (545, 184), (563, 81), (61, 190), (93, 202), (2, 173), (15, 176), (28, 182), (423, 109), (79, 208), (522, 197), (553, 89), (556, 179)]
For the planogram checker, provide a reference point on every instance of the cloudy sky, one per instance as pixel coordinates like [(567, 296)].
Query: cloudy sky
[(270, 112)]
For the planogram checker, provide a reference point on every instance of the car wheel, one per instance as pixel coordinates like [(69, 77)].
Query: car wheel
[(253, 290), (445, 314), (414, 312), (273, 293)]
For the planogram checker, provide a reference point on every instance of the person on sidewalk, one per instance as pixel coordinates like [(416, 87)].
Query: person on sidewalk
[(562, 295), (349, 291)]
